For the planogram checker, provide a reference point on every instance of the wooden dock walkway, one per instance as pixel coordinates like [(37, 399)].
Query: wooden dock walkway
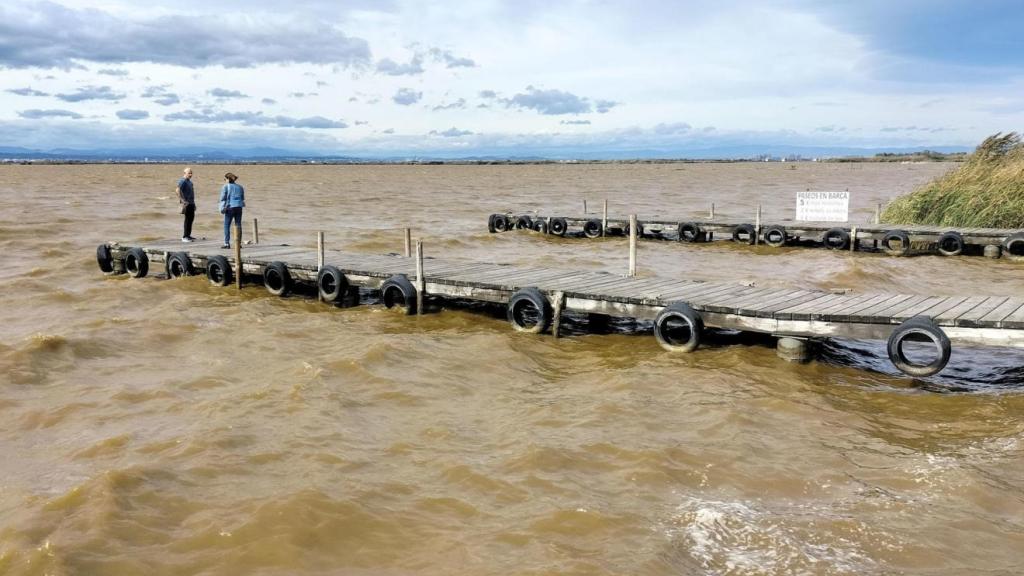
[(537, 297), (894, 239)]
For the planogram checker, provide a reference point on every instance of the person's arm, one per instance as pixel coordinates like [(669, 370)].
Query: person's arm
[(177, 189), (223, 198), (241, 194)]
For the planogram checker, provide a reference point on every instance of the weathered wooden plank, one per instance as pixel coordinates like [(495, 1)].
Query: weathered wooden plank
[(1014, 319), (879, 312), (761, 296), (767, 308), (972, 318), (1003, 310), (910, 310), (949, 316), (645, 286), (802, 310), (726, 302), (943, 306), (684, 293), (772, 310)]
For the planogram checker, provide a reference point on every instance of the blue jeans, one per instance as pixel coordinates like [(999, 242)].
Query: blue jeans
[(229, 215)]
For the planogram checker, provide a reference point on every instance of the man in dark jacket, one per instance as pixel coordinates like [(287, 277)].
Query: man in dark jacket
[(187, 200)]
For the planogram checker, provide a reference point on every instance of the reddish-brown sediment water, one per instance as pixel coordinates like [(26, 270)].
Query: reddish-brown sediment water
[(170, 427)]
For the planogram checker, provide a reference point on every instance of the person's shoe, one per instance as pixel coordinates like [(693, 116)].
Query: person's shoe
[(225, 247), (186, 239), (191, 238)]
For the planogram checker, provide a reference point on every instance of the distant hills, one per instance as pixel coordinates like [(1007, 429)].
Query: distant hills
[(264, 154)]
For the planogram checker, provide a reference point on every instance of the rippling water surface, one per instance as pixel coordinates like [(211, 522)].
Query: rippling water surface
[(163, 428)]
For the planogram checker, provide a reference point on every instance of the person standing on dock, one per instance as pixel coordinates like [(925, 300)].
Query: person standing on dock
[(187, 200), (232, 200)]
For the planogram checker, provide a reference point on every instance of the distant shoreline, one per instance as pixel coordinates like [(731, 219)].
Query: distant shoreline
[(917, 157)]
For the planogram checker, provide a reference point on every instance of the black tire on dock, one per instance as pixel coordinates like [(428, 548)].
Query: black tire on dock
[(524, 221), (593, 228), (691, 232), (742, 230), (775, 236), (951, 244), (918, 329), (277, 279), (490, 223), (179, 264), (893, 235), (398, 291), (678, 328), (558, 226), (540, 225), (501, 223), (331, 283), (136, 263), (1013, 247), (529, 311), (104, 259), (218, 271), (836, 239)]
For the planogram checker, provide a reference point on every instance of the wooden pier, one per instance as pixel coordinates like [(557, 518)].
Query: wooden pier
[(536, 298), (893, 239)]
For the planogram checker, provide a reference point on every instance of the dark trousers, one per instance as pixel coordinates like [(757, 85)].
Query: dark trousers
[(190, 216)]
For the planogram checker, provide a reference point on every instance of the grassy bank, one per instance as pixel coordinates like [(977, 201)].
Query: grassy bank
[(986, 191)]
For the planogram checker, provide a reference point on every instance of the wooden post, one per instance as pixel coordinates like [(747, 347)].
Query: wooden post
[(632, 245), (604, 219), (255, 231), (238, 255), (420, 282), (408, 243), (319, 251), (757, 225), (584, 206), (556, 317), (711, 216), (878, 213), (853, 239)]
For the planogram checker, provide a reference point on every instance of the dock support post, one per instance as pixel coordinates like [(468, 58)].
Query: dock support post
[(878, 213), (711, 215), (793, 350), (556, 317), (584, 206), (408, 243), (632, 245), (604, 219), (319, 251), (993, 251), (255, 231), (319, 259), (238, 255), (853, 239), (757, 225), (420, 282)]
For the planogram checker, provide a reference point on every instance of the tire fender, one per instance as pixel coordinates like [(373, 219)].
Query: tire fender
[(178, 265), (593, 228), (680, 312), (399, 292), (691, 232), (331, 283), (136, 263), (739, 231), (558, 226), (522, 302), (218, 271), (775, 236), (900, 235), (836, 239), (524, 221), (919, 328), (951, 244), (1013, 247), (104, 259), (277, 279)]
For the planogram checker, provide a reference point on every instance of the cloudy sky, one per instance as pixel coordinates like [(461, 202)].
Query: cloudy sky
[(381, 78)]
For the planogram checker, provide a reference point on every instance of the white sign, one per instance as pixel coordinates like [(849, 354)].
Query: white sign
[(823, 206)]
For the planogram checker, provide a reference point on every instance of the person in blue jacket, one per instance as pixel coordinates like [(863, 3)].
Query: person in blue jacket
[(232, 200)]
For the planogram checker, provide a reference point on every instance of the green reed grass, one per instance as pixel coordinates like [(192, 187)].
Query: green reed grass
[(986, 191)]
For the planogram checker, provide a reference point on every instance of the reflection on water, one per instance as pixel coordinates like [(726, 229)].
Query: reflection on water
[(177, 428)]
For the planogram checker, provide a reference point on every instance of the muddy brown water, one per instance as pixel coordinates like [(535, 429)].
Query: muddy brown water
[(163, 428)]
